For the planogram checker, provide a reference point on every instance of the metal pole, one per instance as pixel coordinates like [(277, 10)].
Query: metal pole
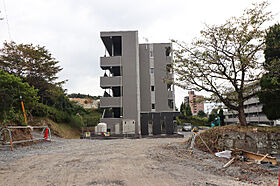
[(22, 106)]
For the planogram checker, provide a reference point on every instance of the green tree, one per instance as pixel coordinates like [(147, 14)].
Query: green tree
[(183, 109), (33, 64), (11, 88), (188, 110), (222, 117), (225, 61), (270, 82), (201, 114)]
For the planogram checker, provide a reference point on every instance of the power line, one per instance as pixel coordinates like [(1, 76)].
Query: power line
[(7, 21)]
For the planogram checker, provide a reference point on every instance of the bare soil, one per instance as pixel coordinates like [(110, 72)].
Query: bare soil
[(163, 161)]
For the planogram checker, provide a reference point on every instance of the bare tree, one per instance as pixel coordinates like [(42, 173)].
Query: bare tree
[(226, 59)]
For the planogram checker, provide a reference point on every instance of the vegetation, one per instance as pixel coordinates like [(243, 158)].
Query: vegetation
[(270, 82), (185, 110), (187, 117), (11, 88), (78, 95), (31, 72), (225, 60), (201, 114)]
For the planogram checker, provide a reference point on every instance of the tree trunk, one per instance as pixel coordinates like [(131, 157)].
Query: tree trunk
[(241, 115)]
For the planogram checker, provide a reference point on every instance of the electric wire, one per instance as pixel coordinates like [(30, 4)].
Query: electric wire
[(7, 21)]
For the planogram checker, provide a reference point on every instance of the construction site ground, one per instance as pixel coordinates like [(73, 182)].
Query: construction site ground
[(161, 161)]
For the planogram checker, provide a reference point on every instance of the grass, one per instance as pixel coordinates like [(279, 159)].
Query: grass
[(62, 130)]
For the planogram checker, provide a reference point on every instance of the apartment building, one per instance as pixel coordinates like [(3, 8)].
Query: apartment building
[(253, 111), (134, 88), (196, 102)]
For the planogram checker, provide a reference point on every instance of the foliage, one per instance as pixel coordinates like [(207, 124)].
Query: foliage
[(92, 117), (201, 114), (270, 82), (11, 88), (78, 95), (194, 120), (212, 116), (185, 110), (222, 117), (225, 60), (34, 64)]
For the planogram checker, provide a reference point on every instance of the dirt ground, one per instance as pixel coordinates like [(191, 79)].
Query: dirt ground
[(114, 162)]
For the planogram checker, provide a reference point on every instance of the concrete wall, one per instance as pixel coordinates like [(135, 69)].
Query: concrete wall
[(145, 84), (160, 61), (131, 79)]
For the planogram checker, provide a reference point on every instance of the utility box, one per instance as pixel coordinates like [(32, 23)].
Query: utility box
[(128, 126), (101, 128), (117, 128)]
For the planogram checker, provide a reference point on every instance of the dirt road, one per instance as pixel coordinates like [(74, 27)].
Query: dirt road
[(111, 162)]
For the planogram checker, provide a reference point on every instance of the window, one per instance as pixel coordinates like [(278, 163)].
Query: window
[(152, 70), (153, 106), (151, 53), (152, 88)]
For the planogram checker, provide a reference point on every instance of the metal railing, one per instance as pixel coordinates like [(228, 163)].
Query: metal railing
[(45, 135)]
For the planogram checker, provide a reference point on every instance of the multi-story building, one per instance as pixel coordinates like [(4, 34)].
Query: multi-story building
[(253, 112), (196, 102), (135, 90)]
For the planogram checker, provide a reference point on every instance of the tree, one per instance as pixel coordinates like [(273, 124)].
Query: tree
[(188, 110), (222, 117), (225, 61), (270, 82), (33, 64), (201, 114), (11, 88), (183, 109)]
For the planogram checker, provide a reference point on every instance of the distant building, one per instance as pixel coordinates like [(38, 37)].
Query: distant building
[(196, 102), (135, 92), (253, 112)]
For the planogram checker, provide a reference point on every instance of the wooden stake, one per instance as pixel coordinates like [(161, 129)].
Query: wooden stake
[(229, 163)]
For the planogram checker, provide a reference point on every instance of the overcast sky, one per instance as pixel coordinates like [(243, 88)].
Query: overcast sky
[(70, 28)]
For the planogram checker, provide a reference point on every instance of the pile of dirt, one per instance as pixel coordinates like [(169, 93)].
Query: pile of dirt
[(21, 134)]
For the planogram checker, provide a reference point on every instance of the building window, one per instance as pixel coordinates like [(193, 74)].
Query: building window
[(152, 88), (151, 54), (153, 106), (152, 70)]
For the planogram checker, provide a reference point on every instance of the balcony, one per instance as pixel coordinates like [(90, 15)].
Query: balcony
[(109, 102), (107, 82), (107, 62)]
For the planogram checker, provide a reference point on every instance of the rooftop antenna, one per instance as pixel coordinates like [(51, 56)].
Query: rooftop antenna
[(146, 39)]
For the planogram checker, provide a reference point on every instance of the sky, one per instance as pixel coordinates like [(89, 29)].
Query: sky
[(70, 29)]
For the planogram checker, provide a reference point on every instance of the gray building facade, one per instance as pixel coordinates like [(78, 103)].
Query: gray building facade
[(133, 82), (253, 112)]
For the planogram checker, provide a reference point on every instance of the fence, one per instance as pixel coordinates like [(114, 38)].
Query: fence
[(6, 138)]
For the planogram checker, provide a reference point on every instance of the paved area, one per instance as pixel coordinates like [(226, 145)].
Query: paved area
[(105, 162)]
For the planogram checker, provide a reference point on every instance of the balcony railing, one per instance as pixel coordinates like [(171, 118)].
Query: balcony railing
[(107, 62), (106, 82), (109, 102)]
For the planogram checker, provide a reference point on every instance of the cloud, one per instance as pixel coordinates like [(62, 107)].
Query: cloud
[(70, 28)]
